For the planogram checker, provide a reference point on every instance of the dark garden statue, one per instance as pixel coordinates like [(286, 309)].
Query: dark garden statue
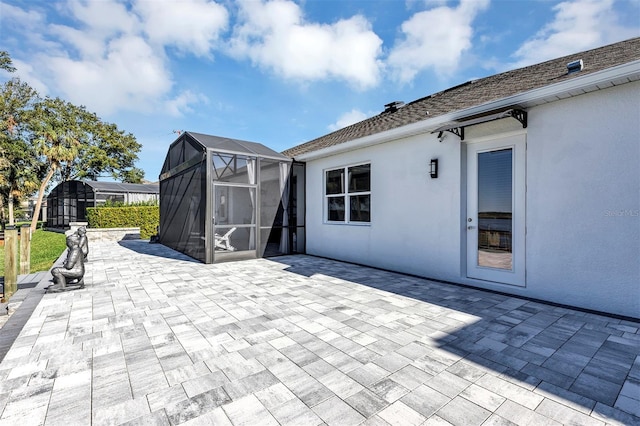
[(71, 275), (84, 242)]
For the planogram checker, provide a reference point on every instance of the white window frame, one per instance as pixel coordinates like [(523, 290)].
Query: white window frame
[(345, 194)]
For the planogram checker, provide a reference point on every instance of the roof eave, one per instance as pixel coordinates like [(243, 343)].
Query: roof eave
[(579, 85)]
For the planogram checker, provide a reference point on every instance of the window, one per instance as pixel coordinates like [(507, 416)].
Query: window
[(348, 194)]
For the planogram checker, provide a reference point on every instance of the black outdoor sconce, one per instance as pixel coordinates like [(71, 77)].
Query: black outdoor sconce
[(433, 168)]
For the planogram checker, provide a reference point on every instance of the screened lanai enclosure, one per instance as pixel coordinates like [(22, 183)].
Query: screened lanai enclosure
[(68, 201), (225, 199)]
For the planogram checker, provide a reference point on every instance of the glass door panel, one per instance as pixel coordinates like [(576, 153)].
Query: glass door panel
[(495, 215)]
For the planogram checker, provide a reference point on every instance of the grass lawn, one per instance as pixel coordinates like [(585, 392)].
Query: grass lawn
[(46, 248)]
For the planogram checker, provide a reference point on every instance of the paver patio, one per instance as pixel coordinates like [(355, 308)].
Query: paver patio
[(156, 338)]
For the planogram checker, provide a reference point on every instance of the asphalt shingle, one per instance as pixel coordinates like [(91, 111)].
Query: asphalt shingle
[(478, 92)]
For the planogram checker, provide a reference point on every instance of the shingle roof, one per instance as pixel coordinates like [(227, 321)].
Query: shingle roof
[(478, 92), (120, 187)]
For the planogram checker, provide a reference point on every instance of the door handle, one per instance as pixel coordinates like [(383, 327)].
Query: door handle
[(470, 227)]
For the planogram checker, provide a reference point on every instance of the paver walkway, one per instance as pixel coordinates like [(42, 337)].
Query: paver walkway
[(31, 287), (156, 338)]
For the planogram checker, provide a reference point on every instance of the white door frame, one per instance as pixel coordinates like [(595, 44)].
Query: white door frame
[(516, 275)]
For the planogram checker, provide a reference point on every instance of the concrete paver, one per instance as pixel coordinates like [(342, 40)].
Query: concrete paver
[(157, 338), (20, 305)]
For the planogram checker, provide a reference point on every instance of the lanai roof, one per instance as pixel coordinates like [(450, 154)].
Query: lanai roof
[(120, 187), (478, 92), (234, 145)]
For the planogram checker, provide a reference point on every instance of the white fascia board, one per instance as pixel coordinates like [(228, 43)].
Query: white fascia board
[(629, 70), (416, 128)]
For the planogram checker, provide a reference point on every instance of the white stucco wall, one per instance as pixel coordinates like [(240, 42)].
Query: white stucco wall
[(582, 205), (412, 215), (583, 201)]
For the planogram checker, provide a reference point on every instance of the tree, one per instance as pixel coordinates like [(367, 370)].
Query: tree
[(45, 139), (56, 137), (21, 175), (73, 143), (18, 165), (107, 150), (18, 168), (5, 62), (132, 175)]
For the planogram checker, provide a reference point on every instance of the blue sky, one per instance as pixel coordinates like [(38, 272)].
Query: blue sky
[(281, 72)]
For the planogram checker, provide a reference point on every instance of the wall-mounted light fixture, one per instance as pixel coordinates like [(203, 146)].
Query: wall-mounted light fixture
[(433, 168)]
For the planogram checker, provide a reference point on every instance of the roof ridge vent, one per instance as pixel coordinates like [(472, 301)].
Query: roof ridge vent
[(393, 106), (575, 66)]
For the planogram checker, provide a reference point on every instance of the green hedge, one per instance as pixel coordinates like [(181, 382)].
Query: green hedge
[(145, 217), (40, 224)]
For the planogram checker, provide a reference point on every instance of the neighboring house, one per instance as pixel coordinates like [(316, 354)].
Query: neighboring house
[(31, 206), (68, 201), (525, 182)]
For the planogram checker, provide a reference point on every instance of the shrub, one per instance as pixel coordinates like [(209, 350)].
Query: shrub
[(112, 203), (40, 224), (147, 217)]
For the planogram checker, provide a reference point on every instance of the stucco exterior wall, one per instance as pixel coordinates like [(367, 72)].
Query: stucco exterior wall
[(415, 219), (582, 205), (583, 201)]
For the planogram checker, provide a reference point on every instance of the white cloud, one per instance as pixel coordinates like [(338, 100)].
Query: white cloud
[(29, 18), (27, 74), (28, 24), (111, 57), (347, 119), (578, 25), (434, 39), (275, 36), (129, 76), (191, 25), (181, 104), (103, 18)]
